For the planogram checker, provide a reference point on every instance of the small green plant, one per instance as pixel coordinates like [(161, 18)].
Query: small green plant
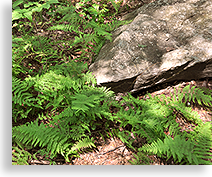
[(142, 46), (140, 158), (20, 157), (92, 11), (28, 8)]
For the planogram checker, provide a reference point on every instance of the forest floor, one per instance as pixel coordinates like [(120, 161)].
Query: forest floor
[(112, 151)]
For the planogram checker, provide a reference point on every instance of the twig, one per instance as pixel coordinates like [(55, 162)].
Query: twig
[(111, 150)]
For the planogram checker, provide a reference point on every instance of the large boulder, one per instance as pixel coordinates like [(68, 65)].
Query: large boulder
[(167, 40)]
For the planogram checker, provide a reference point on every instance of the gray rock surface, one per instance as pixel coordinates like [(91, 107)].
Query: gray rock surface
[(167, 40)]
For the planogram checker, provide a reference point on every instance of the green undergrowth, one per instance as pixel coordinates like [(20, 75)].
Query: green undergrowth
[(58, 107), (78, 106), (154, 119)]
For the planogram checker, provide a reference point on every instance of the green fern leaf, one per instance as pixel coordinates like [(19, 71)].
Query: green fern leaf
[(33, 134), (83, 102), (84, 143), (196, 95), (20, 157)]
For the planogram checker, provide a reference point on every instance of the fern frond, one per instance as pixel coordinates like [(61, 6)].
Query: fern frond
[(84, 143), (99, 30), (173, 126), (35, 134), (147, 117), (188, 113), (83, 103), (20, 157), (20, 94), (201, 97), (151, 117), (179, 98), (69, 15), (178, 147), (23, 101), (196, 95), (202, 137), (194, 151), (49, 82), (140, 158)]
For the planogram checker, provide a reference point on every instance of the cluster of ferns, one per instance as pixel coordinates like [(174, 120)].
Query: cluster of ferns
[(77, 106)]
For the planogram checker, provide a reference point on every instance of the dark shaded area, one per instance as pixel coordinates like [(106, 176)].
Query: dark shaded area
[(182, 73), (121, 86)]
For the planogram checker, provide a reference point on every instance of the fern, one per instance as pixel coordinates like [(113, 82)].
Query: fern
[(23, 101), (33, 134), (76, 99), (181, 149), (178, 100), (152, 117), (177, 147), (76, 20), (71, 104), (20, 91), (196, 95), (86, 142), (146, 118), (140, 158), (59, 139), (20, 157), (202, 137)]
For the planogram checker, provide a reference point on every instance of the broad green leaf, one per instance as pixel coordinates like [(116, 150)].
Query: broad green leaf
[(28, 15), (53, 1), (16, 3), (16, 15)]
